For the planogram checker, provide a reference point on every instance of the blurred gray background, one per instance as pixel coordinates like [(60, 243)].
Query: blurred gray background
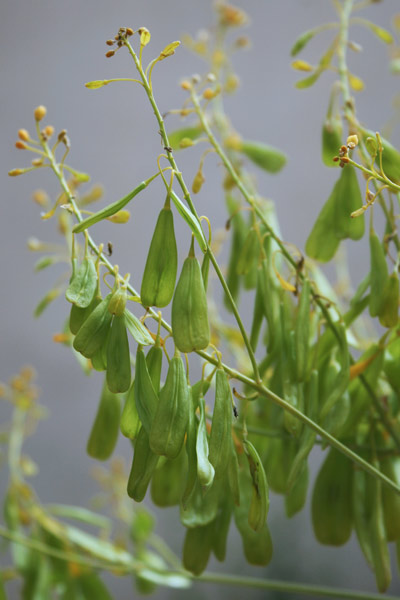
[(49, 50)]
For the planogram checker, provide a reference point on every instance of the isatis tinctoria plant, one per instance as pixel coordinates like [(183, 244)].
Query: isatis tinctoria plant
[(307, 372)]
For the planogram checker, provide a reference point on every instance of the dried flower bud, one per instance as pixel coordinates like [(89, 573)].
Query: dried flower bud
[(232, 83), (15, 172), (186, 143), (20, 145), (110, 53), (186, 85), (198, 181), (232, 16), (23, 135), (129, 31), (196, 78), (40, 112), (211, 77), (242, 42), (37, 162), (110, 42)]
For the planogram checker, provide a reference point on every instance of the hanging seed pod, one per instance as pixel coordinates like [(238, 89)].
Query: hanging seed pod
[(175, 137), (379, 546), (154, 365), (191, 435), (202, 508), (221, 436), (332, 131), (83, 284), (302, 332), (159, 275), (104, 433), (266, 157), (143, 467), (79, 315), (257, 545), (146, 399), (390, 466), (205, 268), (362, 510), (99, 358), (233, 476), (189, 314), (168, 481), (118, 300), (249, 254), (168, 428), (197, 548), (389, 312), (390, 157), (259, 504), (295, 499), (239, 232), (118, 357), (205, 470), (332, 514), (379, 275), (258, 314), (130, 422), (221, 526), (93, 332), (334, 222)]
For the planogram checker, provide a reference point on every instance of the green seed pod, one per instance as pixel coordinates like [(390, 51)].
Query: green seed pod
[(83, 284), (362, 511), (118, 357), (332, 514), (239, 232), (143, 467), (221, 436), (197, 548), (168, 428), (258, 313), (331, 140), (117, 302), (278, 461), (390, 158), (93, 332), (268, 158), (205, 470), (91, 586), (189, 314), (146, 399), (390, 466), (191, 435), (154, 365), (221, 526), (302, 332), (296, 498), (379, 546), (205, 268), (79, 315), (379, 275), (99, 358), (104, 433), (389, 313), (159, 275), (168, 481), (257, 545), (259, 504), (233, 476), (202, 508), (334, 222), (249, 253), (130, 422)]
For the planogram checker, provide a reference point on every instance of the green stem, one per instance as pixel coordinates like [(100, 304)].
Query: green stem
[(187, 196), (293, 588)]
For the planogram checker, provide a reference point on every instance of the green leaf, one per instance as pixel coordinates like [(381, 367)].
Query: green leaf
[(109, 210), (137, 329), (190, 220), (302, 41)]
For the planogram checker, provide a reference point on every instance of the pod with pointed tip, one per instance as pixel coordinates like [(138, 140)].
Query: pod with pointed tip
[(202, 508), (220, 445), (332, 514), (259, 503), (104, 433), (159, 275), (197, 548), (83, 284), (390, 466), (118, 357), (146, 399), (389, 312), (130, 422), (143, 466), (78, 315), (189, 315), (266, 157), (168, 427), (168, 480), (93, 332), (205, 470), (379, 275), (191, 435), (331, 140)]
